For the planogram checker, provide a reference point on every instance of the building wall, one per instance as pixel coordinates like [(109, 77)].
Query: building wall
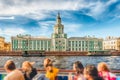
[(59, 38), (30, 43), (84, 44), (111, 43), (7, 46), (118, 44), (2, 43), (59, 44)]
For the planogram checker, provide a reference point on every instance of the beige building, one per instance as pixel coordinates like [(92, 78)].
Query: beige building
[(7, 46), (111, 43), (4, 46), (2, 43)]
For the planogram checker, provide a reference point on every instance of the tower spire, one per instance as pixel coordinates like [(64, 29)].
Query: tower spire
[(58, 18)]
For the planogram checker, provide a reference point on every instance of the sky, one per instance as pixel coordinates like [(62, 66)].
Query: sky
[(99, 18)]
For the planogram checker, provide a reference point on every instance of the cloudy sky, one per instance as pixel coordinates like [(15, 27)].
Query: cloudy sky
[(98, 18)]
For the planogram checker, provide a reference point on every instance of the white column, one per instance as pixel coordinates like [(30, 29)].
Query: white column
[(40, 45), (36, 44), (13, 44), (47, 46), (43, 44)]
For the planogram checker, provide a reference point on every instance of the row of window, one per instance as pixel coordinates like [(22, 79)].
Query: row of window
[(31, 49), (59, 47), (77, 49), (84, 42), (32, 41), (81, 49), (14, 46), (109, 43), (60, 42), (83, 45)]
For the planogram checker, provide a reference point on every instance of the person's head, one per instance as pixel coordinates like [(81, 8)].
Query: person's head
[(78, 67), (90, 72), (9, 66), (27, 66), (49, 67), (48, 64), (103, 67)]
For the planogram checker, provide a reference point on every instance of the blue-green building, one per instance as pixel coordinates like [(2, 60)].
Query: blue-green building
[(57, 42)]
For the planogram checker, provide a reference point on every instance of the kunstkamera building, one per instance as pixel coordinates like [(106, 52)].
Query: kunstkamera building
[(57, 42)]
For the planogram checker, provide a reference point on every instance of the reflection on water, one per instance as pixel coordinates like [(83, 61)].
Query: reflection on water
[(65, 62)]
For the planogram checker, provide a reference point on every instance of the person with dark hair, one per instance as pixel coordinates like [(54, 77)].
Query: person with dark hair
[(29, 71), (91, 73), (78, 67), (51, 71), (13, 73), (104, 72)]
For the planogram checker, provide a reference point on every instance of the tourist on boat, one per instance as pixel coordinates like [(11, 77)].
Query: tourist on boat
[(12, 72), (46, 61), (51, 71), (91, 73), (28, 70), (104, 72), (78, 67)]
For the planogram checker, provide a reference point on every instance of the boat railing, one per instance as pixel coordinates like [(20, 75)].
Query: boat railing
[(62, 71)]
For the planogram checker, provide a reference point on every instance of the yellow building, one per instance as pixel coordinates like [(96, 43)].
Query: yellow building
[(7, 46), (111, 43), (4, 46), (2, 39)]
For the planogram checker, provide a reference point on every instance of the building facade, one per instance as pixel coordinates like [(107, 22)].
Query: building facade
[(84, 44), (27, 42), (59, 38), (111, 43), (4, 46), (2, 39), (57, 42)]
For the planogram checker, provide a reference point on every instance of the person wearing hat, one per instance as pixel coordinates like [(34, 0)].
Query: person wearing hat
[(12, 72), (28, 70)]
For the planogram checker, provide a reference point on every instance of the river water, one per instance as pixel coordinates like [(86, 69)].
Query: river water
[(64, 62)]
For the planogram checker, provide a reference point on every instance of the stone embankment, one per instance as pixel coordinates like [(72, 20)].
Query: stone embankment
[(39, 53), (56, 53)]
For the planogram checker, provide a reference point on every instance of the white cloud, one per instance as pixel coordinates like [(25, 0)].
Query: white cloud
[(98, 8), (12, 31), (8, 32), (0, 30), (104, 32), (72, 28), (45, 28), (38, 8), (24, 7), (38, 15), (5, 17), (111, 2)]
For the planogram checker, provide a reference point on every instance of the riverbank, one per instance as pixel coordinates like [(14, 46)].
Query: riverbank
[(56, 53)]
